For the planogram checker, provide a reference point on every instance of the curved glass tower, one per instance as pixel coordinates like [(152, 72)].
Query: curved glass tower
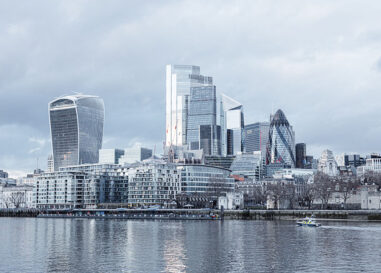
[(281, 145), (232, 120), (76, 126)]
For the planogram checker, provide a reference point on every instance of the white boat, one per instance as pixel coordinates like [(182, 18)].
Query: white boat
[(308, 222)]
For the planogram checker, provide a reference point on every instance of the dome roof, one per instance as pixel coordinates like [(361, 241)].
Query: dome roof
[(279, 119)]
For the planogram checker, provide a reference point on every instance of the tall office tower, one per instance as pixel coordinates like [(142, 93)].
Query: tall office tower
[(202, 130), (257, 137), (301, 153), (210, 139), (76, 126), (281, 146), (179, 81), (232, 124)]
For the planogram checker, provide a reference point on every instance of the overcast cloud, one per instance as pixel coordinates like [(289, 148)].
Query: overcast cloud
[(319, 61)]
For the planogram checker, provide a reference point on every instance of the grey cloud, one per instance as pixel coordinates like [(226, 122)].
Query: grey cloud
[(314, 60)]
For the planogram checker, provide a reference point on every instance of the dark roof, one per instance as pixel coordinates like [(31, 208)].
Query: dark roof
[(279, 119)]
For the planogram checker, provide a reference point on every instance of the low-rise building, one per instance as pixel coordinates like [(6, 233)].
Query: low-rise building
[(201, 179), (249, 165), (82, 186), (370, 197), (135, 154), (219, 161), (153, 182), (231, 200), (110, 156), (16, 196), (372, 164)]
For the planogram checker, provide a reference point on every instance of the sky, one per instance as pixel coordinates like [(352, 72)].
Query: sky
[(319, 61)]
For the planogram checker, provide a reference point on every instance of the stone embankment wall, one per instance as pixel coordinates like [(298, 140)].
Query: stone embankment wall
[(343, 215), (348, 215), (19, 212)]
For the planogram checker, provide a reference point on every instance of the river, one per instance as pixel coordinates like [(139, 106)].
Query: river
[(89, 245)]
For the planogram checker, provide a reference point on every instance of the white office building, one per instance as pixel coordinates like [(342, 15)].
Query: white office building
[(110, 156), (135, 154)]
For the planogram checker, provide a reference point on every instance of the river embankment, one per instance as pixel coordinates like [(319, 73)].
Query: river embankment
[(183, 214)]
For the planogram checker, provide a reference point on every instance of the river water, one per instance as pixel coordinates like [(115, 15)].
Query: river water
[(89, 245)]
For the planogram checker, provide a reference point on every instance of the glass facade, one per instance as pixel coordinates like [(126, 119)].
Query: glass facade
[(202, 131), (179, 81), (205, 179), (233, 125), (135, 154), (110, 156), (210, 139), (76, 124), (249, 165), (256, 137), (281, 146), (300, 150)]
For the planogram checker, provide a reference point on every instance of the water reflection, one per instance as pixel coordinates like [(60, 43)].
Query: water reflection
[(69, 245)]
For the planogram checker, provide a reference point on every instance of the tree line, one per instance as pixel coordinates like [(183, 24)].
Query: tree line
[(299, 193)]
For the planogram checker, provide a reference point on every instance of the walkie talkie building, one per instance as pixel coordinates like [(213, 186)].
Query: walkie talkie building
[(76, 126)]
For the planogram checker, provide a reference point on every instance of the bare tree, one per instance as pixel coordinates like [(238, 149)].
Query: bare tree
[(281, 191), (290, 194), (309, 194), (260, 194), (257, 195), (371, 177), (324, 187), (17, 199), (347, 185)]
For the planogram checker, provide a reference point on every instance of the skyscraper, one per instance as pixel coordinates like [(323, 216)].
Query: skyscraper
[(202, 130), (257, 137), (179, 81), (301, 153), (76, 126), (281, 146), (232, 124)]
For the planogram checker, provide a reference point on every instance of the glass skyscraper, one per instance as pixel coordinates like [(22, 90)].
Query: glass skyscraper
[(281, 146), (300, 151), (232, 123), (202, 130), (179, 81), (76, 126), (257, 137)]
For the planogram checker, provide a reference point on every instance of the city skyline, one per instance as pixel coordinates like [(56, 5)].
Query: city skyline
[(325, 82)]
